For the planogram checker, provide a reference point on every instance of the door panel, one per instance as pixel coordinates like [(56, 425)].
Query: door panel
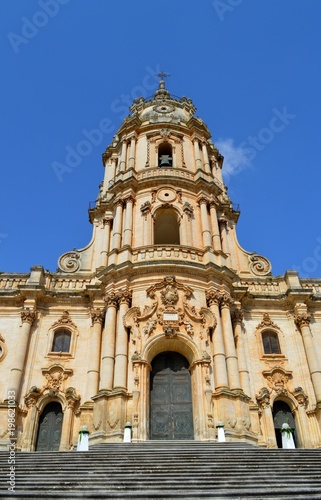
[(49, 430), (171, 399)]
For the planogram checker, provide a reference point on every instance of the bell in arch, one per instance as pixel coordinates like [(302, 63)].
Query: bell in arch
[(165, 161)]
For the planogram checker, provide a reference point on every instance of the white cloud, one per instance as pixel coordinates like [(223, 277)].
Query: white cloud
[(236, 158)]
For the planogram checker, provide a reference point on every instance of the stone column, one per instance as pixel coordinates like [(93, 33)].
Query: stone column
[(67, 423), (231, 358), (27, 317), (132, 153), (206, 230), (117, 228), (105, 241), (121, 353), (225, 247), (268, 430), (237, 318), (220, 372), (302, 321), (128, 221), (216, 238), (110, 169), (92, 381), (207, 167), (123, 155), (301, 421), (198, 161), (108, 343)]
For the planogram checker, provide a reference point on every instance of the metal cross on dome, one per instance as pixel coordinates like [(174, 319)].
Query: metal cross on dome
[(162, 75)]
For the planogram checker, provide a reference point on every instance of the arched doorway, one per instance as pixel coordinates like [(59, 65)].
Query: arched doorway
[(171, 411), (282, 415), (49, 429)]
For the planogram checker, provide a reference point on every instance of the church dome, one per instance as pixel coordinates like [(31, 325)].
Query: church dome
[(163, 107)]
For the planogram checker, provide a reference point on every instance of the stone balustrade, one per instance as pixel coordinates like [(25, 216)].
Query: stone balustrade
[(167, 252)]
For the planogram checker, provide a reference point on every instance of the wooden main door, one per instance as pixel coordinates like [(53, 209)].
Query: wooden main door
[(171, 398), (49, 430)]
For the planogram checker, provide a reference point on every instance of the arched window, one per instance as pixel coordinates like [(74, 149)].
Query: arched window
[(165, 155), (61, 341), (166, 229), (271, 343)]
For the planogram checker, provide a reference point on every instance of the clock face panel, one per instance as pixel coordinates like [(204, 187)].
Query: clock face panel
[(164, 109)]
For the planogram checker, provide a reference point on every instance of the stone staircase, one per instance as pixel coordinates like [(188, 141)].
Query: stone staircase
[(164, 470)]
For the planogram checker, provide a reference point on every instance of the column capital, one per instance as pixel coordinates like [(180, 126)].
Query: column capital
[(129, 199), (125, 297), (226, 300), (107, 221), (97, 315), (119, 203), (202, 199), (237, 316), (28, 316), (302, 320), (213, 297), (111, 299)]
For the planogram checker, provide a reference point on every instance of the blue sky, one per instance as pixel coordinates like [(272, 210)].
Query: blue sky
[(251, 67)]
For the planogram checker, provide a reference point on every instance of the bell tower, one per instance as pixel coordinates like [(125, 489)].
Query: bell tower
[(165, 252)]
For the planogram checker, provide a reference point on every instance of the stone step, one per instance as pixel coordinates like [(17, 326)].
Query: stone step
[(164, 470)]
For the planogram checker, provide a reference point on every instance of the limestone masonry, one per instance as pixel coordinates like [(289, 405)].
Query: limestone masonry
[(162, 320)]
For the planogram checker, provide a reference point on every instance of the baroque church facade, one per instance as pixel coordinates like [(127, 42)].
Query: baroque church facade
[(163, 320)]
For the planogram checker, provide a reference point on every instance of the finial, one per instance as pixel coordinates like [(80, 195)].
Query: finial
[(162, 75)]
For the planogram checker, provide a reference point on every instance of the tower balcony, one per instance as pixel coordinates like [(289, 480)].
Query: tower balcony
[(154, 253), (164, 174)]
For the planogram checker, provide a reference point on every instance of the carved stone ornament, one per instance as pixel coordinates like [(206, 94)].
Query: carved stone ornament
[(263, 399), (28, 316), (188, 209), (55, 375), (97, 315), (267, 322), (170, 331), (69, 262), (169, 295), (145, 208), (72, 398), (32, 397), (301, 397), (260, 266), (169, 281), (213, 297), (65, 320), (302, 320), (277, 379)]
